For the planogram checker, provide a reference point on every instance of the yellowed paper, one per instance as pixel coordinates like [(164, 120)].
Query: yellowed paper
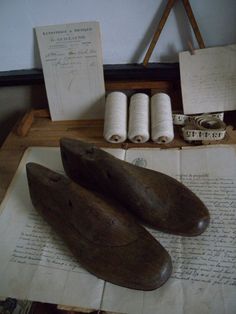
[(71, 56), (208, 79), (35, 264)]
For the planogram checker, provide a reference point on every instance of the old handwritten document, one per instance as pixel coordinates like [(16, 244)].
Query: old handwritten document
[(71, 56), (36, 265), (208, 79)]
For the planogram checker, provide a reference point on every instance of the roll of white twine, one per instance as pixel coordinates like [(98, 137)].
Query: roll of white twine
[(162, 130), (139, 118), (115, 121)]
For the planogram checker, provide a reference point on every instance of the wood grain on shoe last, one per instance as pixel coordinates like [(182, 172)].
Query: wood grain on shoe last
[(157, 199), (104, 238)]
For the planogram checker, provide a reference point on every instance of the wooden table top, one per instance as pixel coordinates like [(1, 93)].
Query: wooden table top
[(37, 129), (41, 131)]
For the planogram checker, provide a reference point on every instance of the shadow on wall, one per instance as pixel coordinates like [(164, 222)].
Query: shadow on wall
[(15, 101), (7, 124), (36, 54), (183, 24), (185, 33), (184, 30), (145, 41)]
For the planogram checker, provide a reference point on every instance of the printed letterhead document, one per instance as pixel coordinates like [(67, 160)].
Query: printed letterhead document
[(71, 56), (208, 79), (35, 264)]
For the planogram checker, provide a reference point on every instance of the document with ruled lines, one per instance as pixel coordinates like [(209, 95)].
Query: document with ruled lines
[(35, 263), (71, 56), (208, 79)]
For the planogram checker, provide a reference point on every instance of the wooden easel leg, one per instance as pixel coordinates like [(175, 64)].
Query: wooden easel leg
[(158, 31), (193, 22), (162, 22)]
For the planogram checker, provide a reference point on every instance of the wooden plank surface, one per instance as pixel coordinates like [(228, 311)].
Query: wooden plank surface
[(44, 132)]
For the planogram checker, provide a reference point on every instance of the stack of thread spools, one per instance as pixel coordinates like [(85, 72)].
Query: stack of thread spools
[(145, 117)]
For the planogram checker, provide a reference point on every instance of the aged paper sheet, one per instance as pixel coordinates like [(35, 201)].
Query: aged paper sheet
[(208, 79), (204, 274), (35, 264), (71, 56)]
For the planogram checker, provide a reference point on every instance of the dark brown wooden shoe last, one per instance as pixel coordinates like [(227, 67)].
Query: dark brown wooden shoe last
[(155, 198), (104, 238)]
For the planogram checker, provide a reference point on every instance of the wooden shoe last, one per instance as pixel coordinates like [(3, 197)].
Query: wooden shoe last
[(158, 200), (104, 238)]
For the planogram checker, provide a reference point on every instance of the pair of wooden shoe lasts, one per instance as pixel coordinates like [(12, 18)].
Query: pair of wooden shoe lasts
[(97, 213)]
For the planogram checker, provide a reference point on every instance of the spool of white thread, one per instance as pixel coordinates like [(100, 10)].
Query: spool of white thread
[(162, 130), (115, 121), (139, 118)]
